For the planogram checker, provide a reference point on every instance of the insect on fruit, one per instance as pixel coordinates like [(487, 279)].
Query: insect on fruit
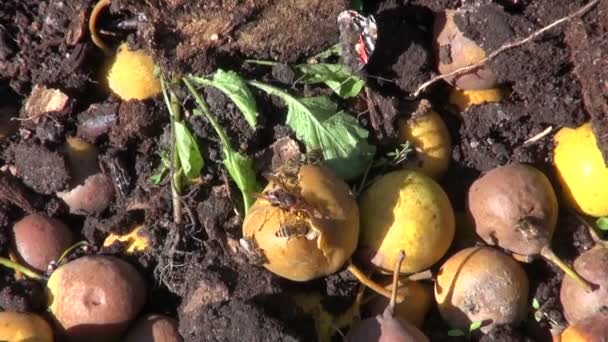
[(254, 253), (295, 230), (359, 34)]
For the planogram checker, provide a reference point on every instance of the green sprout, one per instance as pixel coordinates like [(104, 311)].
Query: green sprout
[(459, 332)]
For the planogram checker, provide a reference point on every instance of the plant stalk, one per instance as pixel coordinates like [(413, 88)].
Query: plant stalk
[(548, 254), (20, 268), (367, 281), (174, 108), (395, 288)]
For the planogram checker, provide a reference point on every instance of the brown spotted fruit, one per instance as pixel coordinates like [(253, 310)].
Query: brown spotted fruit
[(39, 240), (311, 233), (514, 207), (95, 298), (481, 284), (454, 50), (578, 303)]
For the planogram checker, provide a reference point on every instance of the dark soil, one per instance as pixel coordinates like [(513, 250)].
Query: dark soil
[(196, 271)]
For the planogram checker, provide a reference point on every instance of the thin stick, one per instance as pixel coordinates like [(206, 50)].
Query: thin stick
[(548, 254), (367, 281), (391, 304), (505, 47)]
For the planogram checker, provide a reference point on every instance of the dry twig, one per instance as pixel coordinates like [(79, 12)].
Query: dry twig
[(505, 47)]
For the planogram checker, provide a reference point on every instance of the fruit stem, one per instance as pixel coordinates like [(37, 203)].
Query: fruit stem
[(367, 281), (548, 254), (391, 304), (70, 249), (20, 268)]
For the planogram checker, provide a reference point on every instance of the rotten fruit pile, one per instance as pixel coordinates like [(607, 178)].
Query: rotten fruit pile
[(366, 171)]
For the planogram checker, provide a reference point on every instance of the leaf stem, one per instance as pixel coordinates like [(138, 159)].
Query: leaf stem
[(20, 268), (173, 106), (260, 62)]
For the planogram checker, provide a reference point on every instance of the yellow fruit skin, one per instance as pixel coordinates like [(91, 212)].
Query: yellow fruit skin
[(581, 170), (465, 99), (21, 327), (132, 75), (136, 240), (405, 210), (298, 258), (429, 135)]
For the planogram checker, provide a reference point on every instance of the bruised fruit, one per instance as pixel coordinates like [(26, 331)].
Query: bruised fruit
[(465, 99), (593, 329), (413, 309), (582, 173), (131, 77), (454, 51), (386, 327), (136, 240), (305, 229), (580, 304), (431, 139), (154, 328), (95, 297), (405, 210), (40, 240), (481, 284), (515, 207), (90, 192), (24, 327)]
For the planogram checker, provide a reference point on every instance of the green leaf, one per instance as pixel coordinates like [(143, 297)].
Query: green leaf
[(190, 157), (602, 223), (455, 332), (474, 326), (535, 304), (240, 167), (162, 169), (320, 126), (336, 76), (233, 85)]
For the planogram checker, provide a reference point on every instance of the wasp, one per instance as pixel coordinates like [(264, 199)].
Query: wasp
[(295, 230), (254, 253), (290, 201)]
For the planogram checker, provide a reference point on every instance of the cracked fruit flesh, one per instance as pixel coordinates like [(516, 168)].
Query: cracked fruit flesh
[(336, 226)]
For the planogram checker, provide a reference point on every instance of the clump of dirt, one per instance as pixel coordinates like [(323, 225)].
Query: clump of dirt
[(193, 37), (41, 169)]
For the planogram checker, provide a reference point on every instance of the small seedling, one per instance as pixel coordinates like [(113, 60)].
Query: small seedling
[(602, 223), (459, 332), (162, 170)]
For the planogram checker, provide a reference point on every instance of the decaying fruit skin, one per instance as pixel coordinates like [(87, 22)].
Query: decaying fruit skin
[(24, 327), (405, 210), (336, 224), (40, 240), (94, 298), (593, 329), (579, 304), (454, 51), (481, 284), (501, 198)]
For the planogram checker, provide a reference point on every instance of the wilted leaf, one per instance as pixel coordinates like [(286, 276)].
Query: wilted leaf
[(320, 126), (233, 85), (335, 76), (190, 158)]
